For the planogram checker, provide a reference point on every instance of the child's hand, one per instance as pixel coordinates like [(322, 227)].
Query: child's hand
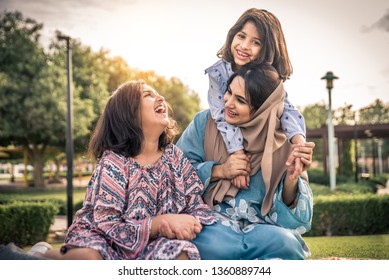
[(241, 182), (300, 159), (179, 226), (237, 164)]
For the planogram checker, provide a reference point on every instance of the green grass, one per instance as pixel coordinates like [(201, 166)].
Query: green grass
[(354, 247), (375, 247), (78, 194)]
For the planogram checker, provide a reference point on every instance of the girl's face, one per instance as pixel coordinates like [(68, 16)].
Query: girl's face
[(154, 110), (246, 45), (236, 105)]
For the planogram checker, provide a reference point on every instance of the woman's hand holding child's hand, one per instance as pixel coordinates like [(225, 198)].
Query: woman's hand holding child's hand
[(300, 159), (242, 181), (236, 164), (179, 226)]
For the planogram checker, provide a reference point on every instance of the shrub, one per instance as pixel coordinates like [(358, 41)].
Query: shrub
[(350, 215), (26, 223)]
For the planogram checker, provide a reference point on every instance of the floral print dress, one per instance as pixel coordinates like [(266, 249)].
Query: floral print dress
[(123, 196)]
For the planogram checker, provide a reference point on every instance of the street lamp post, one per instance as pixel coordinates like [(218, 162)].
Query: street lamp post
[(329, 77), (356, 146), (69, 130)]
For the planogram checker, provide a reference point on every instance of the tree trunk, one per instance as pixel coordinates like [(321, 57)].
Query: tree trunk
[(36, 152), (57, 168)]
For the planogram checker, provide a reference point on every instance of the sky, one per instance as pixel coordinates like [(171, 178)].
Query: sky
[(178, 38)]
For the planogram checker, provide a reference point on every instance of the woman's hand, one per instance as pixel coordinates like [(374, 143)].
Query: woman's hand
[(178, 226), (237, 164), (242, 181), (300, 159)]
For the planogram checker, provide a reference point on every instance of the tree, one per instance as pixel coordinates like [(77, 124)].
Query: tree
[(33, 90), (345, 116), (118, 71), (90, 91), (315, 116), (30, 103), (377, 112)]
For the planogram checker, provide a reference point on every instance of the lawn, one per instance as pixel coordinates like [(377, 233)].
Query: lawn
[(353, 247), (374, 247), (78, 194)]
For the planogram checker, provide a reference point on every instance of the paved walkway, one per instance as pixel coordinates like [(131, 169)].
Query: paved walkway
[(58, 229), (384, 190), (60, 224)]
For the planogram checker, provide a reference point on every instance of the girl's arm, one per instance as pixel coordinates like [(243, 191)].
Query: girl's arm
[(232, 136), (293, 123)]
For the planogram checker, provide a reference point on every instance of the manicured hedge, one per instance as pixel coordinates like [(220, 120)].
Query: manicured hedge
[(26, 223), (59, 203), (350, 215)]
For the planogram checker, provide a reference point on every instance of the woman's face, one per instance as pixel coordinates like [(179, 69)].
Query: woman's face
[(154, 110), (246, 45), (236, 105)]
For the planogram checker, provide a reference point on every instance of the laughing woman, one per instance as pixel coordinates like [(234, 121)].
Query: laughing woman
[(141, 182)]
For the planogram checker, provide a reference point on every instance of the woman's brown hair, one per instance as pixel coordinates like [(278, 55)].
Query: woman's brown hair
[(119, 126)]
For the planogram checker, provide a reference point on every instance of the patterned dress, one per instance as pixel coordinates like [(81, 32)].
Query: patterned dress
[(123, 196)]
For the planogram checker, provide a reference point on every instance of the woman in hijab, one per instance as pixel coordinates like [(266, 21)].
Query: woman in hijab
[(266, 219)]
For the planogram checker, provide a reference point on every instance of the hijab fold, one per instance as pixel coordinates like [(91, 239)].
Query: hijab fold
[(263, 139)]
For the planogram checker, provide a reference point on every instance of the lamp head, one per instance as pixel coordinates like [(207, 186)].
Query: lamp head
[(329, 77), (63, 37)]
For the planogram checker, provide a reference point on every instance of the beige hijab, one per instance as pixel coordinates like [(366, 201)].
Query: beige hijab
[(263, 139)]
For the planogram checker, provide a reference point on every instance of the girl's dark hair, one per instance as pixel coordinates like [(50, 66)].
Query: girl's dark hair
[(273, 45), (119, 126), (260, 81)]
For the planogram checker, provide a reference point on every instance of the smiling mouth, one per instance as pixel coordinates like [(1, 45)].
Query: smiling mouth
[(241, 54), (160, 109), (231, 113)]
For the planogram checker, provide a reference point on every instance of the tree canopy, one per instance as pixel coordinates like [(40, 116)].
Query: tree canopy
[(33, 89)]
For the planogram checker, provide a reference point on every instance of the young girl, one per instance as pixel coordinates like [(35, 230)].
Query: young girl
[(141, 182), (256, 37)]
